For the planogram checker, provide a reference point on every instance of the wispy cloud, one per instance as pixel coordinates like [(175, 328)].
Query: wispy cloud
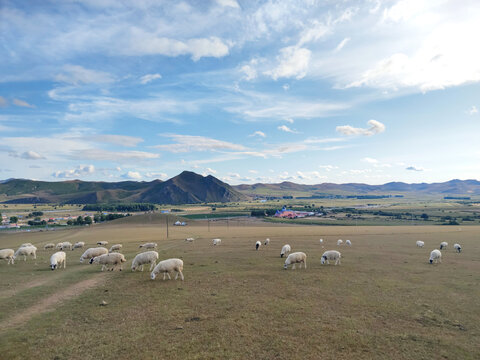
[(414, 168), (189, 143), (292, 63), (79, 171), (375, 127), (472, 111), (22, 103), (115, 156), (149, 78), (285, 128), (3, 101), (258, 133), (342, 44), (27, 155), (122, 140), (78, 75)]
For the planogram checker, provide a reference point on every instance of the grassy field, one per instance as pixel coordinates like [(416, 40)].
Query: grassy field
[(384, 302)]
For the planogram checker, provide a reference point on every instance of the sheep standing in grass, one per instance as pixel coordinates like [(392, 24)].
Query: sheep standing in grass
[(92, 252), (217, 241), (189, 239), (331, 255), (167, 266), (106, 260), (57, 259), (435, 256), (148, 246), (78, 245), (49, 246), (348, 242), (296, 258), (66, 245), (339, 242), (7, 254), (457, 247), (285, 250), (443, 245), (26, 251), (147, 257), (267, 241), (257, 245), (115, 247), (420, 243), (102, 243), (59, 246)]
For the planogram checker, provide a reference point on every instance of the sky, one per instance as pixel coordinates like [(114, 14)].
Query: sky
[(247, 91)]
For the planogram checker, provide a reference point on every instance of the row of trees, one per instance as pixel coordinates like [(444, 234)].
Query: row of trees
[(87, 220)]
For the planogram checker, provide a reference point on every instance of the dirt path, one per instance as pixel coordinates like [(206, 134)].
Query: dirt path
[(49, 303), (16, 289)]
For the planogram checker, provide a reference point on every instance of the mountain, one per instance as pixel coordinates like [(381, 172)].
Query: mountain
[(186, 188)]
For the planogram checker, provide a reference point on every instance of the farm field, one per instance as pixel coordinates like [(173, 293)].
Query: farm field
[(383, 301)]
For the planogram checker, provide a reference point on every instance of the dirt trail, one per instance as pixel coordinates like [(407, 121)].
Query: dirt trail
[(13, 291), (49, 303)]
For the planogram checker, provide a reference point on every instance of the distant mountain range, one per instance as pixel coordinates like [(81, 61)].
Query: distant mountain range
[(191, 188)]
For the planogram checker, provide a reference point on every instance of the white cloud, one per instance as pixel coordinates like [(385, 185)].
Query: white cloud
[(189, 143), (370, 160), (157, 175), (78, 75), (228, 3), (342, 44), (258, 133), (253, 171), (79, 171), (133, 175), (249, 71), (293, 62), (314, 32), (22, 103), (27, 155), (472, 111), (285, 87), (106, 155), (328, 167), (285, 128), (376, 127), (123, 140), (149, 77), (414, 168)]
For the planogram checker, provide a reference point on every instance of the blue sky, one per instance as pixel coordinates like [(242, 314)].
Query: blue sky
[(248, 91)]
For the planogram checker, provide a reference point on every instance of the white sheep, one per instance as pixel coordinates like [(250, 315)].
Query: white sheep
[(295, 258), (148, 246), (443, 245), (285, 249), (115, 247), (59, 246), (348, 242), (147, 257), (8, 254), (66, 245), (92, 252), (331, 255), (457, 247), (49, 246), (321, 241), (257, 245), (26, 244), (113, 259), (26, 251), (167, 266), (420, 243), (217, 241), (57, 259), (190, 239), (102, 243), (435, 256), (339, 242), (267, 241), (78, 245)]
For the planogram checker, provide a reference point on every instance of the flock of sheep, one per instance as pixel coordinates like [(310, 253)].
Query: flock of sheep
[(111, 259)]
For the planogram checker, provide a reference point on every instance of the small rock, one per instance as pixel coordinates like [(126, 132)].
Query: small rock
[(103, 303)]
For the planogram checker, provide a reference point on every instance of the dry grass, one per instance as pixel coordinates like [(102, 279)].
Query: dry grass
[(384, 301)]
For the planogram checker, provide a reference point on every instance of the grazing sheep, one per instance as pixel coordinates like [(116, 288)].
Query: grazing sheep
[(457, 247), (92, 252), (66, 245), (348, 242), (436, 256), (102, 243), (49, 246), (217, 241), (420, 243), (26, 251), (59, 246), (147, 257), (189, 239), (267, 241), (25, 245), (113, 259), (148, 246), (331, 255), (78, 245), (115, 247), (295, 258), (57, 259), (167, 266), (339, 242), (321, 241), (257, 245), (285, 249), (443, 245), (7, 254)]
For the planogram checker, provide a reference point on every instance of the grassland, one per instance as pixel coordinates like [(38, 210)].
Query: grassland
[(384, 302)]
